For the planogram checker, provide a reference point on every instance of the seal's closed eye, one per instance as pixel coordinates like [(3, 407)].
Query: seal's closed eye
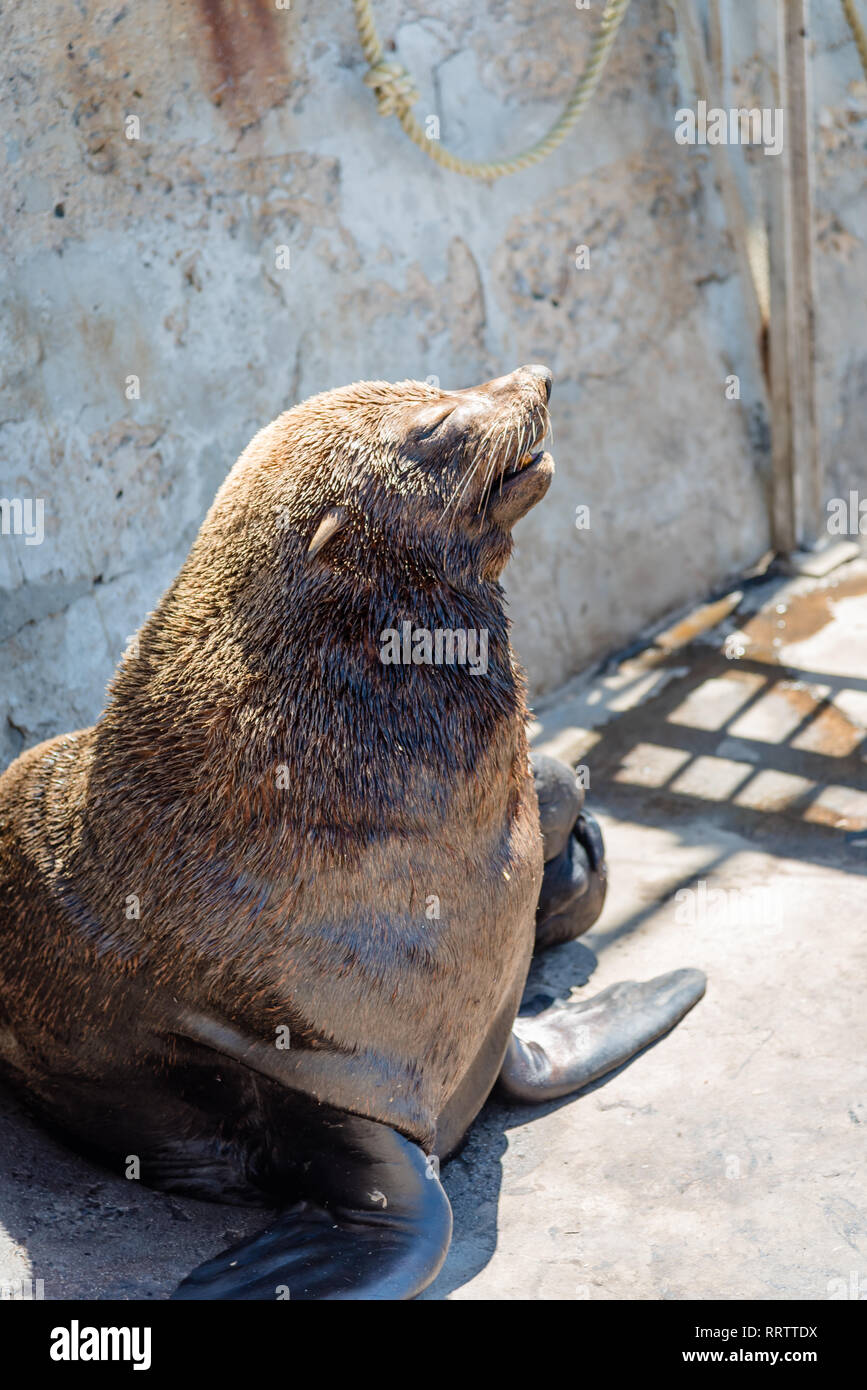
[(430, 419)]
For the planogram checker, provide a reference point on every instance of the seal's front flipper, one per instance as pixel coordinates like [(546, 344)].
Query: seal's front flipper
[(375, 1224), (575, 878), (570, 1045)]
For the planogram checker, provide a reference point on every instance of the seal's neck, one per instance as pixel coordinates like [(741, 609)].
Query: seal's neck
[(264, 708)]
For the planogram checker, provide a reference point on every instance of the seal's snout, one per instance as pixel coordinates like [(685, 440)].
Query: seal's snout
[(544, 374), (505, 467)]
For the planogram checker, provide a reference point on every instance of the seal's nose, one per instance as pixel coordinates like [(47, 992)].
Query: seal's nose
[(536, 369)]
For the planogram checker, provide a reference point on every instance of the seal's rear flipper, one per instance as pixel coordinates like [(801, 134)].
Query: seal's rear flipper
[(376, 1224), (571, 1045)]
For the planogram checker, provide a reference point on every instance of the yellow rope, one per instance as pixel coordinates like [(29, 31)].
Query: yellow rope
[(396, 94), (858, 33)]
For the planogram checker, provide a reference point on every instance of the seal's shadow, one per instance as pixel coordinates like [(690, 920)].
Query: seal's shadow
[(71, 1229), (473, 1179)]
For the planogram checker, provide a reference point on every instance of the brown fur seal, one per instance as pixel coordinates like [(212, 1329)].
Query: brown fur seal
[(265, 928)]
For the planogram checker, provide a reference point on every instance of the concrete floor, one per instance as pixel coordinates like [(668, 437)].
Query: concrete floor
[(727, 764)]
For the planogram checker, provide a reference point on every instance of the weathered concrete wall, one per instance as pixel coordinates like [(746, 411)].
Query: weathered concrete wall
[(155, 257), (840, 96)]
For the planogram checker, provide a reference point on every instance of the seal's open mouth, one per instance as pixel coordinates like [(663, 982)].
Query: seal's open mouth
[(525, 464), (520, 484)]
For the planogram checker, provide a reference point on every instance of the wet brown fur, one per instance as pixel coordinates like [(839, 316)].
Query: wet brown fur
[(263, 906)]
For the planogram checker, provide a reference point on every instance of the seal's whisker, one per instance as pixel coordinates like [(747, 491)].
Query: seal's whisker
[(497, 454), (487, 440), (461, 488), (489, 476), (518, 455), (549, 427), (501, 469), (514, 452), (463, 481), (468, 472), (489, 471), (490, 441), (480, 453)]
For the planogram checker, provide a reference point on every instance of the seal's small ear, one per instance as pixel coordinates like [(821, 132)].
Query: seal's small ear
[(328, 528)]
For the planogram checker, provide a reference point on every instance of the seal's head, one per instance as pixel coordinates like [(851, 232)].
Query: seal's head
[(360, 513), (439, 476)]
